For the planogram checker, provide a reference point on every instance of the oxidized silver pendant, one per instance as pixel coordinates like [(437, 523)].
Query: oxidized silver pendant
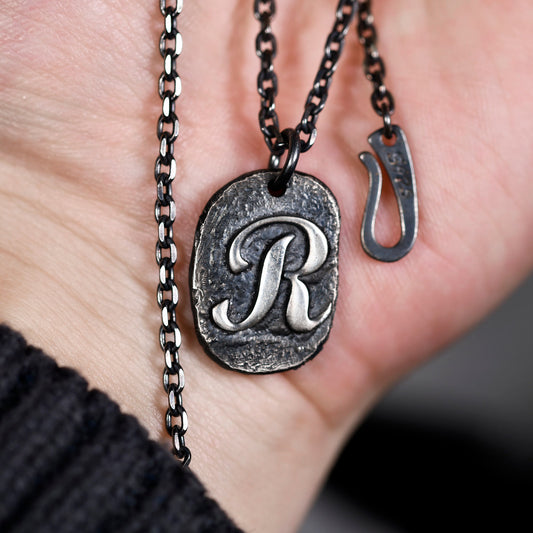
[(264, 272)]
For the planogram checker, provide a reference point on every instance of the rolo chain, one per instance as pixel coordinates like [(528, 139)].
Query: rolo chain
[(170, 45), (374, 67), (267, 82)]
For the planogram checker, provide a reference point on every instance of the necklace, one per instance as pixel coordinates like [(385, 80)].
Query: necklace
[(264, 267), (169, 86)]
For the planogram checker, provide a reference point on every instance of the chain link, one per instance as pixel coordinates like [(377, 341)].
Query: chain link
[(374, 67), (170, 45), (267, 81)]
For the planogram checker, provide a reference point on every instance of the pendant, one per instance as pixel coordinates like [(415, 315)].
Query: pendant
[(264, 272)]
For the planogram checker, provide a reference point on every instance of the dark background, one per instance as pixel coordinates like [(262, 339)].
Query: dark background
[(451, 447)]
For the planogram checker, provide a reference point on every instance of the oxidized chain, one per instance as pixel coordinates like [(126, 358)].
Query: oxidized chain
[(267, 83), (374, 67), (170, 45)]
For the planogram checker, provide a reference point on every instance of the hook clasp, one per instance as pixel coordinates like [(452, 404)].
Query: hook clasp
[(395, 157)]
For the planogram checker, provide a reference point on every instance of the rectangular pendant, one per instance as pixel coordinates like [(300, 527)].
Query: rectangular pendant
[(264, 272)]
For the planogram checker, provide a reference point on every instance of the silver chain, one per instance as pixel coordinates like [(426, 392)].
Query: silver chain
[(170, 45), (267, 81), (374, 67)]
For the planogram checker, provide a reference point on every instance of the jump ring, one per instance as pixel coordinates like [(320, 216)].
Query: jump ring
[(292, 138)]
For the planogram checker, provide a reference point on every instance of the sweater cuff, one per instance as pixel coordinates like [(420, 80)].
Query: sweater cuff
[(71, 461)]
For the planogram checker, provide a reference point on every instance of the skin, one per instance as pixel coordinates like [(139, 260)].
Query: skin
[(78, 107)]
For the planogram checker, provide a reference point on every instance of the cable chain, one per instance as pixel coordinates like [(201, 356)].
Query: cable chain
[(374, 67), (170, 45), (267, 82)]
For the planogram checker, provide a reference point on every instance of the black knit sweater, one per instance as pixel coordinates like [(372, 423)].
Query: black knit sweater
[(70, 461)]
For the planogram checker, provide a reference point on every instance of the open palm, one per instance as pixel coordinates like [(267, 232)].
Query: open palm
[(77, 112)]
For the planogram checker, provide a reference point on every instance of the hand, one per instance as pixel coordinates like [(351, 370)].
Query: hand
[(78, 113)]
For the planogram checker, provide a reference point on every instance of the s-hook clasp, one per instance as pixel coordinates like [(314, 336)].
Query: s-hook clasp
[(396, 160)]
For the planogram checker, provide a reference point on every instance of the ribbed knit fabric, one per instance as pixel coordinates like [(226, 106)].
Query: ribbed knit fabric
[(71, 462)]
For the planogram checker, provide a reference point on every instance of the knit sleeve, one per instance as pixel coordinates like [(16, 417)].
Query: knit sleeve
[(70, 461)]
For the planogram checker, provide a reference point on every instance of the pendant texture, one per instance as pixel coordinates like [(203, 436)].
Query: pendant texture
[(264, 272)]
